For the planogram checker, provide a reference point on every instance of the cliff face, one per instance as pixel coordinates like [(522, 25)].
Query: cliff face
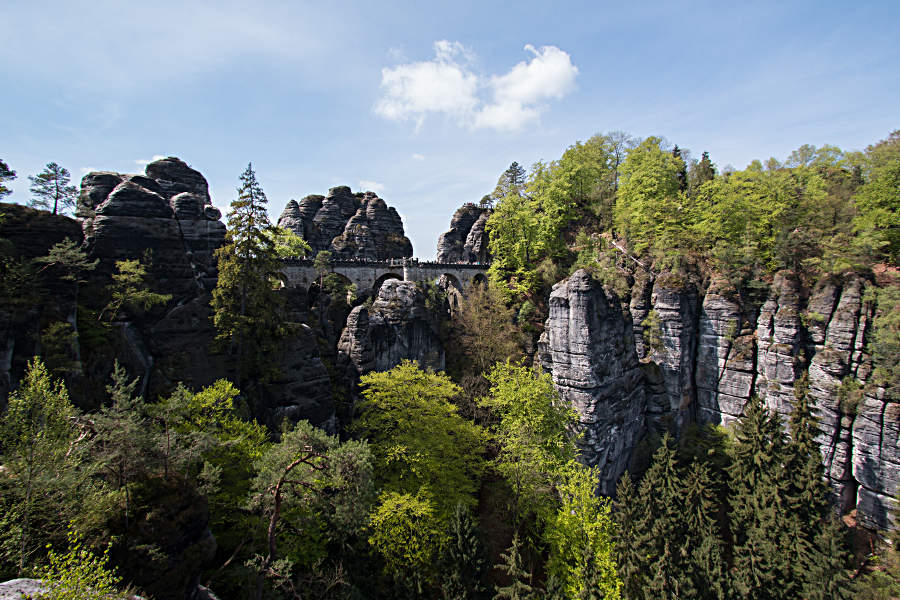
[(467, 240), (351, 226), (588, 348), (704, 353), (397, 327), (167, 211)]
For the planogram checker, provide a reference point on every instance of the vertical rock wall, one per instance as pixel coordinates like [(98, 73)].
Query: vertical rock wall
[(588, 347)]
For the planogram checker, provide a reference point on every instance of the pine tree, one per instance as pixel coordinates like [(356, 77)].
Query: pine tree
[(463, 557), (51, 187), (629, 557), (761, 568), (827, 577), (663, 584), (6, 174), (519, 588), (247, 307)]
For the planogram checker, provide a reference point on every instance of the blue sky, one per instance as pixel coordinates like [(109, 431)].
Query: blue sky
[(427, 102)]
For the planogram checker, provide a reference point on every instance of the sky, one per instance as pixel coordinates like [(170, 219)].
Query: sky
[(426, 103)]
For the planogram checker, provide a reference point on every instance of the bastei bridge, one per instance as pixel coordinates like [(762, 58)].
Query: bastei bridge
[(369, 275)]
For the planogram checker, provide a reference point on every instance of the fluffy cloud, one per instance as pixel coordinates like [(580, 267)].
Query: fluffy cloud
[(447, 85)]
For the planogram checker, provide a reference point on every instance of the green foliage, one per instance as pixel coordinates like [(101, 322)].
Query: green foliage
[(531, 430), (51, 187), (878, 222), (520, 579), (649, 202), (79, 574), (885, 341), (287, 244), (581, 537), (247, 308), (37, 435), (6, 175), (407, 533), (652, 332), (130, 290), (462, 565), (420, 443)]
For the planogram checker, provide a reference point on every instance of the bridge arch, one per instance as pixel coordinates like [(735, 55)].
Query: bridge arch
[(480, 279), (449, 279), (384, 277)]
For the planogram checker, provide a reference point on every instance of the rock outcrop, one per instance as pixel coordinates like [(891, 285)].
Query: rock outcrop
[(588, 348), (397, 327), (357, 226), (167, 211), (467, 240)]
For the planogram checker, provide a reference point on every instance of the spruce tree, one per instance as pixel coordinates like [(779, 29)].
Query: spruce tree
[(705, 573), (761, 569), (463, 557), (519, 587), (629, 557), (827, 577), (6, 174), (246, 305), (661, 520)]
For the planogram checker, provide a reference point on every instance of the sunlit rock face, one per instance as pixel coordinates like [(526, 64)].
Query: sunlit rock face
[(397, 327), (588, 348), (355, 226)]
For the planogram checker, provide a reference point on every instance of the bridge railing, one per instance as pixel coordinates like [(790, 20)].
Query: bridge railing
[(392, 263)]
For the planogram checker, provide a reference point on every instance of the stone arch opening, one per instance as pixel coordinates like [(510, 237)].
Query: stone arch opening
[(480, 280), (448, 279), (336, 284), (382, 279)]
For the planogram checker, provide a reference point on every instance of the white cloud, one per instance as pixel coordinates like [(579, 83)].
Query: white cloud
[(418, 156), (441, 85), (448, 86), (371, 186), (145, 161)]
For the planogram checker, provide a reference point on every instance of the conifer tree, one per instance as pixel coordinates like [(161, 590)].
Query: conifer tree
[(463, 557), (826, 578), (663, 584), (757, 516), (519, 587), (6, 174), (660, 496), (246, 304), (51, 187), (36, 437), (629, 557), (705, 573)]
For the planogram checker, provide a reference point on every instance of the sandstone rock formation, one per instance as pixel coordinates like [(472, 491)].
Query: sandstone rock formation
[(467, 240), (352, 226), (713, 350), (167, 211), (588, 348), (397, 327)]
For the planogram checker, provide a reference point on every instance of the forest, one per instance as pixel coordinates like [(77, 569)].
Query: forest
[(468, 482)]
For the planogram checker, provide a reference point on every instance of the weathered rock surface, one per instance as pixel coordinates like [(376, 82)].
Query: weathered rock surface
[(725, 357), (353, 226), (467, 239), (780, 342), (167, 211), (588, 348), (397, 327), (670, 403)]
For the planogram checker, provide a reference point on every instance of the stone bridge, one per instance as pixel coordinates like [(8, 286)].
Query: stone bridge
[(369, 275)]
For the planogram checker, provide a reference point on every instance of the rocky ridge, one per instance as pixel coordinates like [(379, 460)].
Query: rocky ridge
[(357, 226), (467, 239)]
